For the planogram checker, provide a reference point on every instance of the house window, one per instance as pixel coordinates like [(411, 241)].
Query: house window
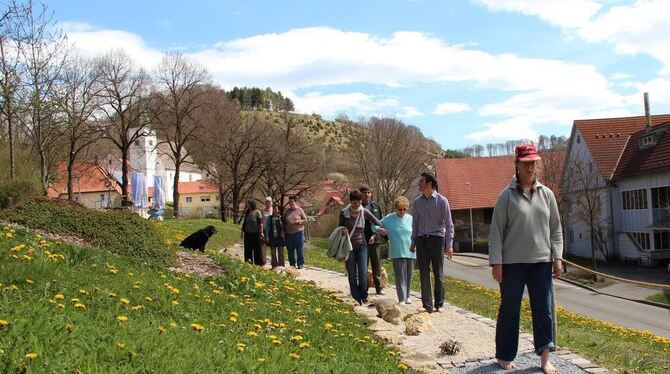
[(204, 198), (579, 139), (648, 141), (660, 197), (641, 238), (634, 199), (189, 199), (662, 239), (102, 197)]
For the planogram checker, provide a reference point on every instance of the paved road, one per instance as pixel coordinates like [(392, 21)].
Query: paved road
[(605, 308)]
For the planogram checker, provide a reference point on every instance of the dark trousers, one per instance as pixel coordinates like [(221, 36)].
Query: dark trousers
[(252, 248), (357, 272), (429, 255), (403, 268), (375, 257), (277, 254), (296, 243), (538, 279)]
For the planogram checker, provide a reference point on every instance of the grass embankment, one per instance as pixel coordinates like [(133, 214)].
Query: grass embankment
[(608, 345), (64, 309), (177, 229), (661, 297)]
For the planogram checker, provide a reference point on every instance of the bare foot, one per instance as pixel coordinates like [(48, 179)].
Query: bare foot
[(546, 365), (506, 365)]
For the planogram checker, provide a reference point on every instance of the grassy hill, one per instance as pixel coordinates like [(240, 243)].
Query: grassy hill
[(65, 308)]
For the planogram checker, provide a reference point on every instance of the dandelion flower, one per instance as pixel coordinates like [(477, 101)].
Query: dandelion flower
[(252, 334), (59, 296), (30, 356), (69, 327), (147, 298), (296, 338), (80, 306), (175, 302), (124, 301), (112, 294), (173, 324), (276, 342), (233, 319), (304, 345), (262, 359), (294, 356), (240, 347), (62, 306), (122, 318), (197, 327), (327, 326), (3, 323), (161, 329), (29, 282), (120, 345)]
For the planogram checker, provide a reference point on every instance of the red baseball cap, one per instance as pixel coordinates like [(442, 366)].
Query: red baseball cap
[(526, 152)]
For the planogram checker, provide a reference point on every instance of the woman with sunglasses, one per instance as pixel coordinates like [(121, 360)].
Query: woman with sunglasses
[(398, 227)]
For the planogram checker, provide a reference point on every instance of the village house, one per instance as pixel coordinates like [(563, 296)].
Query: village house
[(91, 186), (197, 198), (617, 178)]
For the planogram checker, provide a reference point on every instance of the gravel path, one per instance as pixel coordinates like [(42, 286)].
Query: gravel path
[(476, 334)]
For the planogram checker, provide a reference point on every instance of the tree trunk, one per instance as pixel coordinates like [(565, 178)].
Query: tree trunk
[(10, 133), (222, 204), (70, 166), (44, 173), (236, 205), (175, 188)]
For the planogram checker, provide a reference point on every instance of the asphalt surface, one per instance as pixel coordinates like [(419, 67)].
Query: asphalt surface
[(576, 299)]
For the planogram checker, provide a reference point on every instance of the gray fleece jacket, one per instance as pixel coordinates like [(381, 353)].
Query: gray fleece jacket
[(526, 228)]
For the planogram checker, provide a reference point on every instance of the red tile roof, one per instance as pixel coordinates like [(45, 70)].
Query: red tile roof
[(92, 178), (636, 161), (607, 137), (487, 177), (201, 186)]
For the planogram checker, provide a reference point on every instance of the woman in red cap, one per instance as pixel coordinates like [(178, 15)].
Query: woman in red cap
[(525, 249)]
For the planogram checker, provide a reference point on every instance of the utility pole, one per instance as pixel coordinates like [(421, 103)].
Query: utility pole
[(472, 229)]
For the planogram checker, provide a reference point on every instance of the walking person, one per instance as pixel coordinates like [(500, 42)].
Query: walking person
[(267, 212), (274, 237), (294, 226), (374, 247), (353, 218), (398, 227), (432, 237), (525, 249), (252, 232)]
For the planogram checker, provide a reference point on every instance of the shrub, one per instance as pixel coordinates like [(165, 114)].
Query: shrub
[(118, 231), (14, 192)]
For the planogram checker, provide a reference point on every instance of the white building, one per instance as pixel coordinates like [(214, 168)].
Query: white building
[(619, 167)]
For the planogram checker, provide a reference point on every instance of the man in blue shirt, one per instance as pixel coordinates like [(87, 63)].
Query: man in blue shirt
[(432, 236)]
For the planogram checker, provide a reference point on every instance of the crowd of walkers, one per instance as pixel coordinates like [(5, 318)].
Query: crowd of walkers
[(525, 248)]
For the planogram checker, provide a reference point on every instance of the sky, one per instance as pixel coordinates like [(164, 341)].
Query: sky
[(464, 72)]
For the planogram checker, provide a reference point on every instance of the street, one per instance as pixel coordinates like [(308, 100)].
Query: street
[(575, 299)]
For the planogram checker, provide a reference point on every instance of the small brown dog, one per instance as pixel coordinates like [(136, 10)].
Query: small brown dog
[(371, 278)]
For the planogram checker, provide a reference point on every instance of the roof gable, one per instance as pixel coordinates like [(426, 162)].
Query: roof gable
[(606, 138), (635, 161)]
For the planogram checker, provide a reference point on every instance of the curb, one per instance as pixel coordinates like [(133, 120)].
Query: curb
[(652, 303)]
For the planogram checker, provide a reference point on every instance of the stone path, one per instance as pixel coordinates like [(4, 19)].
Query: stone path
[(474, 333)]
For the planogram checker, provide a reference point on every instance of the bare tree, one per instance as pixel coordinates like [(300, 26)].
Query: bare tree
[(43, 54), (478, 150), (78, 105), (232, 149), (490, 149), (178, 107), (375, 152), (290, 163), (10, 75), (123, 101), (583, 190)]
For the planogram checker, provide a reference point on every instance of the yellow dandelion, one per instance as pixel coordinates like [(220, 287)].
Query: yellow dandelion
[(233, 319), (136, 308), (69, 327), (276, 342), (161, 329), (304, 345), (122, 318), (62, 306), (3, 323), (197, 327), (175, 302), (296, 338), (252, 334), (124, 301), (29, 282), (80, 306), (147, 298), (59, 296), (294, 356), (262, 359), (240, 347), (120, 345), (327, 326), (402, 365), (30, 355), (173, 324), (112, 294)]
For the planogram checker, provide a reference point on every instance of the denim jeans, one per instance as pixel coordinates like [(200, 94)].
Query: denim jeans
[(538, 279), (357, 272), (296, 243)]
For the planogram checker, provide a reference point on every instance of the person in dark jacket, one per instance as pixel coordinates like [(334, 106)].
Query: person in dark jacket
[(373, 240), (274, 236), (252, 233), (353, 218)]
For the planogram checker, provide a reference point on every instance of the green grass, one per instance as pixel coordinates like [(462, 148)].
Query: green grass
[(64, 309), (608, 345), (663, 298)]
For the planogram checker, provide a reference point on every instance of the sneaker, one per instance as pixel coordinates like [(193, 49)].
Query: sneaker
[(401, 303), (408, 301)]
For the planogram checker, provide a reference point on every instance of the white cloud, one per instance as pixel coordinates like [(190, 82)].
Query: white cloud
[(90, 41), (449, 108), (564, 13), (409, 112), (333, 104), (620, 76)]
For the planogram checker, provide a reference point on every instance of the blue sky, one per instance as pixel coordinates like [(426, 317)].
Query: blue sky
[(465, 72)]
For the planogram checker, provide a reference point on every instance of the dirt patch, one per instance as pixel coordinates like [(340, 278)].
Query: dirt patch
[(72, 240), (588, 279), (200, 265)]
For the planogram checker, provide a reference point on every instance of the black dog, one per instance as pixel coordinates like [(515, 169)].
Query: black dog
[(199, 239)]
